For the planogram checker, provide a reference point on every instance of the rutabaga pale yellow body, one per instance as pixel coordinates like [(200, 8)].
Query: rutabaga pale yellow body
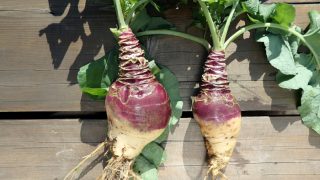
[(127, 141), (220, 139)]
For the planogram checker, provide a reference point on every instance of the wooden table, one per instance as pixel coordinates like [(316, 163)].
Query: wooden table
[(42, 46)]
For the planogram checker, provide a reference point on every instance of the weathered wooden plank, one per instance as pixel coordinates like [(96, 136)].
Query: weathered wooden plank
[(268, 148), (196, 172), (62, 97), (40, 55)]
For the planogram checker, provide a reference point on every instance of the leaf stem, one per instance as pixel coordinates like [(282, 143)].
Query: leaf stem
[(122, 23), (133, 9), (212, 27), (276, 26), (201, 41), (230, 17)]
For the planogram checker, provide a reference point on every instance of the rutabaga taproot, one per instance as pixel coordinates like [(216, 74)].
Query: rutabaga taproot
[(137, 106), (217, 112)]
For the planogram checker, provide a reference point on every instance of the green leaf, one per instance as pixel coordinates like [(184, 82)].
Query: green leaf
[(154, 153), (314, 21), (313, 36), (300, 80), (309, 109), (251, 6), (95, 77), (140, 21), (146, 170), (294, 41), (306, 60), (284, 14), (143, 22), (265, 11), (258, 12), (279, 53), (158, 23), (315, 80), (176, 113)]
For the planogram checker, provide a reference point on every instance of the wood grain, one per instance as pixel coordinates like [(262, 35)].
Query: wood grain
[(268, 148), (41, 51)]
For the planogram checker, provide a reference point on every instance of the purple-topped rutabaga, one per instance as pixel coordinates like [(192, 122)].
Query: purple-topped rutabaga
[(138, 109), (215, 101), (217, 112), (136, 96)]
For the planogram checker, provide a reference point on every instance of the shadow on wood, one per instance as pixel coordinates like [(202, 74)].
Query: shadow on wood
[(93, 131), (314, 138), (280, 125), (191, 153), (72, 28)]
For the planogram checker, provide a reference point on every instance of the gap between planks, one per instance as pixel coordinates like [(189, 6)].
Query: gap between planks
[(102, 114)]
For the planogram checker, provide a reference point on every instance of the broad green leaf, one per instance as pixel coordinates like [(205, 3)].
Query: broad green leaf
[(284, 14), (279, 54), (314, 21), (315, 80), (158, 23), (146, 170), (258, 12), (140, 21), (309, 109), (251, 6), (300, 80), (313, 36), (265, 10), (143, 21), (95, 93), (154, 153), (296, 70), (294, 41), (176, 113), (313, 40), (306, 60), (95, 77)]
